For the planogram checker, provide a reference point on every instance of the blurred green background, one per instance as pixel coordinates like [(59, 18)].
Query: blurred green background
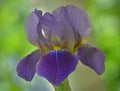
[(105, 34)]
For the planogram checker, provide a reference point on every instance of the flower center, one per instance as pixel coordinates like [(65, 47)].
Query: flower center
[(76, 47), (84, 41), (56, 47)]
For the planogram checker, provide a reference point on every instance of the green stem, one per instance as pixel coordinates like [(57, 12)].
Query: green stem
[(63, 87)]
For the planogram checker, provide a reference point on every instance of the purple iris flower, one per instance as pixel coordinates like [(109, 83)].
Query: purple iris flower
[(59, 37)]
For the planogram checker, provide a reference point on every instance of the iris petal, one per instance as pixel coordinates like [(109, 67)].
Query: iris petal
[(61, 16), (27, 66), (31, 27), (92, 57), (50, 22), (79, 20), (56, 66), (51, 29), (34, 30)]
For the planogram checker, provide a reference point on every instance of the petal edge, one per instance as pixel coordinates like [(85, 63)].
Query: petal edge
[(27, 66), (92, 57)]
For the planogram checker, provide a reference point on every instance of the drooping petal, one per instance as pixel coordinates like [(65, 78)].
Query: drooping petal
[(68, 39), (92, 57), (56, 66), (27, 66), (31, 27), (79, 20)]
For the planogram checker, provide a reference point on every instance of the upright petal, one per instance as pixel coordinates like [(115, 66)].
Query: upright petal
[(27, 66), (31, 27), (56, 66), (50, 22), (79, 20), (51, 29), (92, 57), (34, 30), (68, 39)]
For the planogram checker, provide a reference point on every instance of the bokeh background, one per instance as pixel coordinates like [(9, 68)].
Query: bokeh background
[(105, 34)]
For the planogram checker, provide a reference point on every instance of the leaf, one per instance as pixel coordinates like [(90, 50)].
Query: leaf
[(63, 87)]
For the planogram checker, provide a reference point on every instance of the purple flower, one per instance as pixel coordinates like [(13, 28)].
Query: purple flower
[(59, 37)]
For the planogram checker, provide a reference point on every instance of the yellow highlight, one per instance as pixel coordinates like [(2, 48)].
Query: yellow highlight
[(84, 41), (56, 48)]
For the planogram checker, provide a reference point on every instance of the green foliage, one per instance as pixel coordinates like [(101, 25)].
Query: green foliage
[(63, 87)]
